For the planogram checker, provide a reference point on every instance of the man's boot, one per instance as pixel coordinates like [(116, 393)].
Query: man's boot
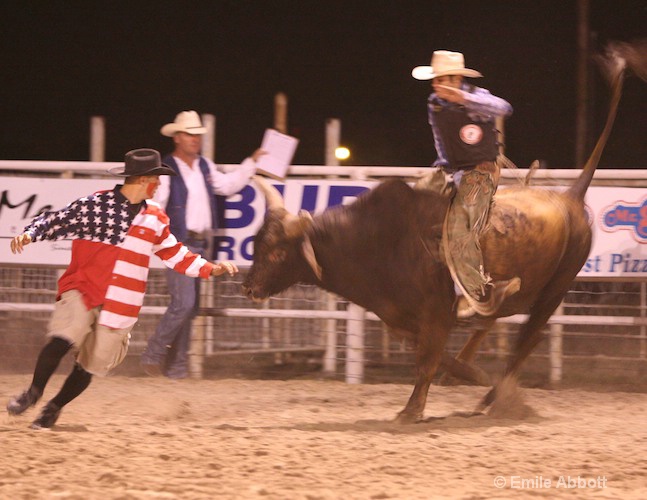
[(48, 416), (19, 404), (499, 291)]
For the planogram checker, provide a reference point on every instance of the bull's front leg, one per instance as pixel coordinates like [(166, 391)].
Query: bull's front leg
[(428, 356)]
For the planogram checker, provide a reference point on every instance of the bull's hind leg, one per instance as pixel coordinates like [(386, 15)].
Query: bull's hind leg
[(466, 356), (460, 370), (429, 353), (529, 336)]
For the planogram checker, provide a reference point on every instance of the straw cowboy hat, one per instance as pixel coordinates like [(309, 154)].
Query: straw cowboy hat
[(142, 162), (444, 62), (186, 121)]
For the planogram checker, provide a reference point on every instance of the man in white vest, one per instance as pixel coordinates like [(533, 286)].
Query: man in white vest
[(191, 203)]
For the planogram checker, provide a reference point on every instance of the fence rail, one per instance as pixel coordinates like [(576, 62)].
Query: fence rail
[(627, 177), (340, 331)]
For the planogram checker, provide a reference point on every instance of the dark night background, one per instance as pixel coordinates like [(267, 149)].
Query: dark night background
[(138, 63)]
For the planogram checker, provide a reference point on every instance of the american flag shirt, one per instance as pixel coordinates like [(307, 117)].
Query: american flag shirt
[(113, 241)]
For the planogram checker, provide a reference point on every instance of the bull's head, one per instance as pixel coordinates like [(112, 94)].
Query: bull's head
[(283, 254)]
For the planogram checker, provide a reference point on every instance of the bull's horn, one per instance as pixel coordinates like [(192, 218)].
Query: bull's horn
[(311, 258), (272, 195), (296, 226)]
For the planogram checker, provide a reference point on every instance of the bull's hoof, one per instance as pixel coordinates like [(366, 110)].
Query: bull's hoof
[(407, 418), (486, 401)]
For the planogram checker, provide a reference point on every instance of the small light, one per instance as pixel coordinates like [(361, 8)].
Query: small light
[(342, 153)]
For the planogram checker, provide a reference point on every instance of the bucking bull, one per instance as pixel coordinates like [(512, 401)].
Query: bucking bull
[(384, 253)]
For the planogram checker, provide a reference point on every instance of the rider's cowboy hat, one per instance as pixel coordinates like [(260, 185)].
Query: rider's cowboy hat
[(186, 121), (142, 162), (444, 62)]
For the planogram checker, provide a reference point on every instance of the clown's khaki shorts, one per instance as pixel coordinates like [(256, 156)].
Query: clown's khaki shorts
[(99, 349)]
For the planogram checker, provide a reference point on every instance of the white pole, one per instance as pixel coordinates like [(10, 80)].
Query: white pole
[(330, 327), (208, 296), (333, 132), (643, 315), (197, 347), (281, 113), (355, 345), (202, 342), (502, 347), (97, 138), (209, 139), (386, 342), (556, 350), (333, 136)]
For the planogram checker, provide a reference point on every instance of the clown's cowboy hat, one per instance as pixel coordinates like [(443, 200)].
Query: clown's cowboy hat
[(444, 62), (186, 121), (142, 162)]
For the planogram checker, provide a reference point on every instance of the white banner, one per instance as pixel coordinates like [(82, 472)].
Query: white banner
[(619, 218)]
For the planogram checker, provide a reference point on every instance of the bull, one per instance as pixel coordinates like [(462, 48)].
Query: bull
[(384, 252)]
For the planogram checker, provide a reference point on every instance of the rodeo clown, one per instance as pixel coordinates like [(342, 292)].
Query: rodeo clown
[(100, 294), (462, 119)]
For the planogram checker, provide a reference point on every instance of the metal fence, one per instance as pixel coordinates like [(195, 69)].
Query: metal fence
[(600, 332)]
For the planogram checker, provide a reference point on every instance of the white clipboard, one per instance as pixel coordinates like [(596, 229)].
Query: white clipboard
[(280, 150)]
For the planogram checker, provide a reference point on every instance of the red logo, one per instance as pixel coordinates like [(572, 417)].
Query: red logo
[(471, 134)]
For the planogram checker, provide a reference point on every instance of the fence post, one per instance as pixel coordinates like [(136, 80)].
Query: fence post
[(330, 329), (97, 138), (198, 349), (556, 351), (333, 131), (386, 342), (502, 344), (643, 315), (281, 112), (355, 344), (208, 294), (333, 136), (266, 328), (209, 139), (196, 352)]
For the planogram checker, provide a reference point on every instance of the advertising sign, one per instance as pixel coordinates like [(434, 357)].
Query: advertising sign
[(618, 217)]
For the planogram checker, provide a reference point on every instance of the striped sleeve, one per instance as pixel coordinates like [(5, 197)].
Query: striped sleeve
[(174, 254), (148, 234)]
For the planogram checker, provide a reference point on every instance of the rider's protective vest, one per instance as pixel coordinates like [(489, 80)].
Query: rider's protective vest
[(466, 142)]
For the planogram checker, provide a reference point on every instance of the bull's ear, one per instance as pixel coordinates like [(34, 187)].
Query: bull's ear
[(296, 227)]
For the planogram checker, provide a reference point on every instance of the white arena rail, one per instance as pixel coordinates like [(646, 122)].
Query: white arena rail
[(352, 172)]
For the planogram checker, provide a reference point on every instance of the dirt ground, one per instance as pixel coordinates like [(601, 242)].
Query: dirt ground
[(140, 438)]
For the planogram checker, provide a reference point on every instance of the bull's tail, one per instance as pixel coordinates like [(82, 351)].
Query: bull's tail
[(578, 189), (618, 57)]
